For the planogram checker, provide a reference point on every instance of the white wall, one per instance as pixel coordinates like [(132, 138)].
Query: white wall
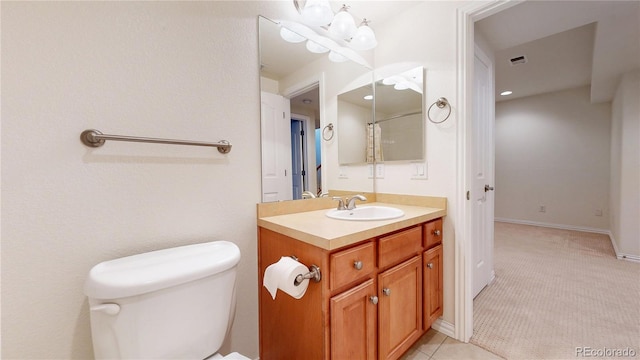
[(553, 150), (161, 69), (625, 167)]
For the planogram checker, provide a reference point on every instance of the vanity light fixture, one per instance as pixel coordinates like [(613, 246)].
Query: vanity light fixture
[(317, 43), (335, 57), (316, 12), (318, 15), (507, 92), (343, 26), (291, 36), (364, 38)]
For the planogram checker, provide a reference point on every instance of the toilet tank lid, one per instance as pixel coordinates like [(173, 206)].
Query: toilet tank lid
[(155, 270)]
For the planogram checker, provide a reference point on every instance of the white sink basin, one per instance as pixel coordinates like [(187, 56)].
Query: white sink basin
[(366, 213)]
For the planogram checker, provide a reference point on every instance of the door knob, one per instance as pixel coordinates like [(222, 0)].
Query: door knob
[(488, 188), (357, 265), (374, 300)]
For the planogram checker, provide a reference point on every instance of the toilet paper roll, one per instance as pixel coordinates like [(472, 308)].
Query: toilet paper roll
[(282, 275)]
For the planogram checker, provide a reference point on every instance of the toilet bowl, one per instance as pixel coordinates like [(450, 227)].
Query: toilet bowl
[(176, 303)]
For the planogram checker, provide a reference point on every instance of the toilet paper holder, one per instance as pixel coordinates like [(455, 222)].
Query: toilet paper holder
[(313, 274)]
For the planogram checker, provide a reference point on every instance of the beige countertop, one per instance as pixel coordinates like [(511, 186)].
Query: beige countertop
[(315, 228)]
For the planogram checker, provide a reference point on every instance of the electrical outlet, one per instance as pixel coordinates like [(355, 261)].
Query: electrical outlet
[(542, 208)]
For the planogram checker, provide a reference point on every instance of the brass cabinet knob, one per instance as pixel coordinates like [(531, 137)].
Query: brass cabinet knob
[(386, 291), (357, 264), (374, 300), (430, 265), (436, 232)]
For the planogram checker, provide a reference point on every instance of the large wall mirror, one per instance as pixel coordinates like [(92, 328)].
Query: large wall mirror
[(299, 100)]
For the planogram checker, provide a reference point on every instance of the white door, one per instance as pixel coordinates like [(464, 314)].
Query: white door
[(275, 130), (483, 172)]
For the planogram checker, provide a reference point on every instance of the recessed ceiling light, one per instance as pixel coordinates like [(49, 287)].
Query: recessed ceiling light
[(505, 93), (368, 97), (307, 101)]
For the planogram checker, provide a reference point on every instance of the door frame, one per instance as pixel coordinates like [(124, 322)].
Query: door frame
[(302, 87), (307, 156), (466, 16)]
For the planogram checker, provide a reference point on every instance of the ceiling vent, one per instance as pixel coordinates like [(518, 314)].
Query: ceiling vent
[(518, 60)]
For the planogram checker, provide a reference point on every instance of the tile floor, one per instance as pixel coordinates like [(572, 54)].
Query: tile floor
[(436, 346)]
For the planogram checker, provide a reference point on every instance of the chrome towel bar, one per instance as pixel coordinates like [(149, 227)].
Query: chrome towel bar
[(95, 138)]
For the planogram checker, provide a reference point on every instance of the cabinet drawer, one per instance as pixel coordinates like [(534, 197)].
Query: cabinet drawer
[(351, 264), (432, 233), (400, 246)]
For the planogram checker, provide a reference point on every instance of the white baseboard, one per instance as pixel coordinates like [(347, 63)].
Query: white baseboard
[(619, 255), (554, 226), (444, 327), (622, 256)]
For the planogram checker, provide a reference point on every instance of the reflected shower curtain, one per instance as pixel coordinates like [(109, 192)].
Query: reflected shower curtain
[(374, 143)]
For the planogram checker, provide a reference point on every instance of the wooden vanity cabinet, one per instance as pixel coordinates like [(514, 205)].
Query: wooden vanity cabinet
[(432, 272), (373, 302)]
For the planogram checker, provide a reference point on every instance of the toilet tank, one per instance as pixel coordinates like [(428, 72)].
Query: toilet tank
[(175, 303)]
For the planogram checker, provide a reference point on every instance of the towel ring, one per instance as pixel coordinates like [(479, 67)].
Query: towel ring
[(440, 103), (324, 132)]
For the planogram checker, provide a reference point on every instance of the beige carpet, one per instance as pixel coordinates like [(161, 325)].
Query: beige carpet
[(556, 290)]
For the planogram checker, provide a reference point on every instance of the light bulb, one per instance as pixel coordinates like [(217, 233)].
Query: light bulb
[(316, 48), (343, 25), (317, 12), (335, 57), (364, 39), (401, 86), (290, 36)]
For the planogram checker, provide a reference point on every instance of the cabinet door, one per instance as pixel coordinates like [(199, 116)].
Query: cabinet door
[(353, 323), (432, 265), (400, 317)]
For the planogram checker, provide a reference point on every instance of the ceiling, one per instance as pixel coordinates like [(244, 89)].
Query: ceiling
[(567, 44)]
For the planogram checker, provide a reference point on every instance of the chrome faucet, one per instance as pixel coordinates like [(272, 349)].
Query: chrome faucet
[(351, 203), (308, 195)]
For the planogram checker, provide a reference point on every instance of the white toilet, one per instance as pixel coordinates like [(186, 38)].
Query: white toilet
[(176, 303)]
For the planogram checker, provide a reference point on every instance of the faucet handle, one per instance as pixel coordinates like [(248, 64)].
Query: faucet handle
[(340, 202)]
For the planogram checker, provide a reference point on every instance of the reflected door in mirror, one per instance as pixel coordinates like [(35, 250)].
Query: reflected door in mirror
[(276, 148)]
